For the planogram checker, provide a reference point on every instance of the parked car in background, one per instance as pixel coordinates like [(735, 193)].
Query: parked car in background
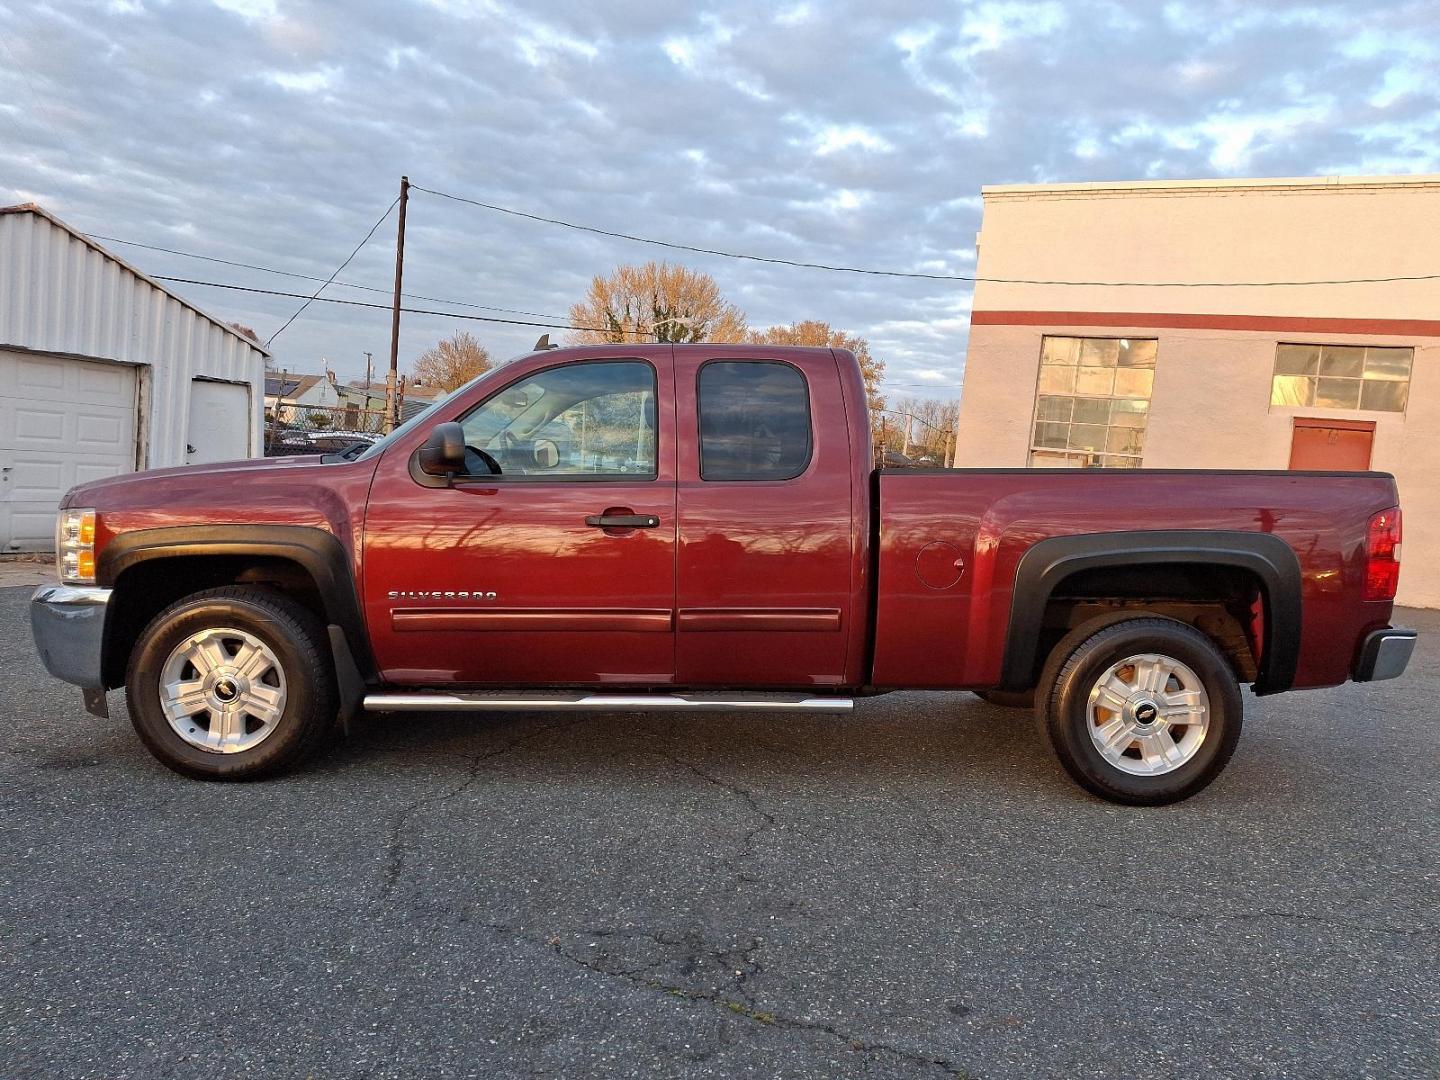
[(336, 442), (287, 441), (893, 459), (711, 536)]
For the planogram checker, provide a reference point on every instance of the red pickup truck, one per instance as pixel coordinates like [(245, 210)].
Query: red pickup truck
[(696, 527)]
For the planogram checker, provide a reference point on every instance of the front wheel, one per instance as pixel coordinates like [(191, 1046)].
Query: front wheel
[(1144, 711), (233, 683)]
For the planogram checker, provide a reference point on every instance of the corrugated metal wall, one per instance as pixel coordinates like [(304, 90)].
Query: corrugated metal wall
[(60, 295)]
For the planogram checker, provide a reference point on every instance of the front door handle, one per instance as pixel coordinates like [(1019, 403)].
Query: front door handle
[(622, 521)]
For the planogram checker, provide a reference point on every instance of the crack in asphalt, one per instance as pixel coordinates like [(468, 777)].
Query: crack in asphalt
[(400, 820), (939, 838), (739, 1002), (743, 1005), (745, 795)]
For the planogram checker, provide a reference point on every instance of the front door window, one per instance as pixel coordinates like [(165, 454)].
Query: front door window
[(578, 421)]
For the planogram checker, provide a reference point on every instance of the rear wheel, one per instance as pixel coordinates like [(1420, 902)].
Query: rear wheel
[(232, 683), (1144, 711)]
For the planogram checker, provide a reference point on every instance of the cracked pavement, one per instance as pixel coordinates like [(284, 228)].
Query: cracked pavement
[(912, 891)]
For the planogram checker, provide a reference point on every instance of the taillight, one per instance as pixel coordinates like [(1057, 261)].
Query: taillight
[(1382, 555)]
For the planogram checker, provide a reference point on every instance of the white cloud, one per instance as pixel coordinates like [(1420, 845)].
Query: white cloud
[(829, 131), (249, 9), (835, 138), (305, 82), (794, 15)]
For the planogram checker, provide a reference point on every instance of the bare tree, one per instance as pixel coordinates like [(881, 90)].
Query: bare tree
[(930, 423), (451, 363), (655, 301), (814, 332)]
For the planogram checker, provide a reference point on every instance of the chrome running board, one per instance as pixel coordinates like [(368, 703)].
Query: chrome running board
[(483, 702)]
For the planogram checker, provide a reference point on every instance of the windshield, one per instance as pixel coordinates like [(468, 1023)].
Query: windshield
[(416, 421)]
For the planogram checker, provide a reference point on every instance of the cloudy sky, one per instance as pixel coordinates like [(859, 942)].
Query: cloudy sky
[(273, 133)]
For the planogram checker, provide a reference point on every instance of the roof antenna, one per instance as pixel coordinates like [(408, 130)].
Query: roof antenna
[(544, 343)]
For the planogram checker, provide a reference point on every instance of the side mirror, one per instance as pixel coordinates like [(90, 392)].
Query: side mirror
[(443, 453)]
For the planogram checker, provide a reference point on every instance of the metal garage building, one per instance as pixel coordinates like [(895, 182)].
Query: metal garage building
[(104, 371)]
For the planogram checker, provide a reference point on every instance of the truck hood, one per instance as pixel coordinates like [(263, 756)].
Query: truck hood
[(117, 490)]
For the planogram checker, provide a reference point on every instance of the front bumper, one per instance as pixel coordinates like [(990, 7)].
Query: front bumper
[(1384, 654), (68, 622)]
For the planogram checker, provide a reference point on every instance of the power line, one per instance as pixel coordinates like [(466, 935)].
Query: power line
[(913, 274), (332, 277), (312, 277), (557, 324)]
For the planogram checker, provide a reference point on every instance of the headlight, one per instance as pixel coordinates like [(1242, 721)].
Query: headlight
[(75, 547)]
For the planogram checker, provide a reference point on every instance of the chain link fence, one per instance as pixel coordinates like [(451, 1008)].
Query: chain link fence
[(314, 429)]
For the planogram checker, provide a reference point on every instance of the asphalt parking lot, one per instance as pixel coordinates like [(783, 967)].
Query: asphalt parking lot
[(916, 890)]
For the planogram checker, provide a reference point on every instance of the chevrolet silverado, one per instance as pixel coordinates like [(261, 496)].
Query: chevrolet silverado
[(696, 527)]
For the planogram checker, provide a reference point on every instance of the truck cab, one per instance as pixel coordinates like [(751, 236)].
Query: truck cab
[(599, 547)]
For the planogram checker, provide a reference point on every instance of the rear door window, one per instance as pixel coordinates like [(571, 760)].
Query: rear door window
[(754, 421)]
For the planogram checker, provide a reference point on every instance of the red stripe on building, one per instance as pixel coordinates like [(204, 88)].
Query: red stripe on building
[(1274, 323)]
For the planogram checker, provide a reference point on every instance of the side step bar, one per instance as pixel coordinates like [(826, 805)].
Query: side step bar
[(482, 702)]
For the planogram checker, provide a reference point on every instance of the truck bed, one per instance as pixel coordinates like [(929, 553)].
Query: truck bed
[(932, 633)]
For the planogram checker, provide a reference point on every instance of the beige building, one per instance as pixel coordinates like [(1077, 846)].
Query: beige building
[(1215, 370)]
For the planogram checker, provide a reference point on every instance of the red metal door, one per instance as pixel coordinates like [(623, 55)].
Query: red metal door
[(1331, 445), (764, 589), (503, 581)]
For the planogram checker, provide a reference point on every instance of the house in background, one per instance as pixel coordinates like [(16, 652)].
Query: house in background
[(418, 397), (1311, 370), (103, 371), (295, 392), (360, 398)]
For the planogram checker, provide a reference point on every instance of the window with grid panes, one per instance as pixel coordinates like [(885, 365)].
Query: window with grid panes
[(1092, 403), (1374, 378)]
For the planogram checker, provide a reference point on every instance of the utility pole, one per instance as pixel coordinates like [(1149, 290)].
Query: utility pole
[(391, 400), (275, 418)]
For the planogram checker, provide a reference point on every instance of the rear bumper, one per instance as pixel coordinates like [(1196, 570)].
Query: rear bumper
[(68, 622), (1384, 654)]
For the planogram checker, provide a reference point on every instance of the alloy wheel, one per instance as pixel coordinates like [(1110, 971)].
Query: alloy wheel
[(1148, 714), (223, 690)]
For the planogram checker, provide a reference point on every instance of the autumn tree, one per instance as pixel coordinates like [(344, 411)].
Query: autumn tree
[(821, 334), (248, 332), (658, 302), (451, 363)]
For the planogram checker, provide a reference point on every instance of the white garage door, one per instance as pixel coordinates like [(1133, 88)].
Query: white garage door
[(62, 422)]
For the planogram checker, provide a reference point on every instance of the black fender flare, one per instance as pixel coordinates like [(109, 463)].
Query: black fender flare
[(317, 551), (1048, 562)]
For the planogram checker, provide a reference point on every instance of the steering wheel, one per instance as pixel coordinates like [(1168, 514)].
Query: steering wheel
[(475, 457)]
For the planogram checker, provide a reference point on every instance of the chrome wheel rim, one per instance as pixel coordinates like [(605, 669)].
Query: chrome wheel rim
[(223, 690), (1148, 714)]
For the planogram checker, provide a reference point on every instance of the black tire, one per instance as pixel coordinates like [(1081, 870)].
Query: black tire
[(298, 641), (1008, 699), (1062, 707)]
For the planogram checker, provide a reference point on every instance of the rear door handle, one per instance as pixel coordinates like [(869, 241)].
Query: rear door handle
[(622, 521)]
